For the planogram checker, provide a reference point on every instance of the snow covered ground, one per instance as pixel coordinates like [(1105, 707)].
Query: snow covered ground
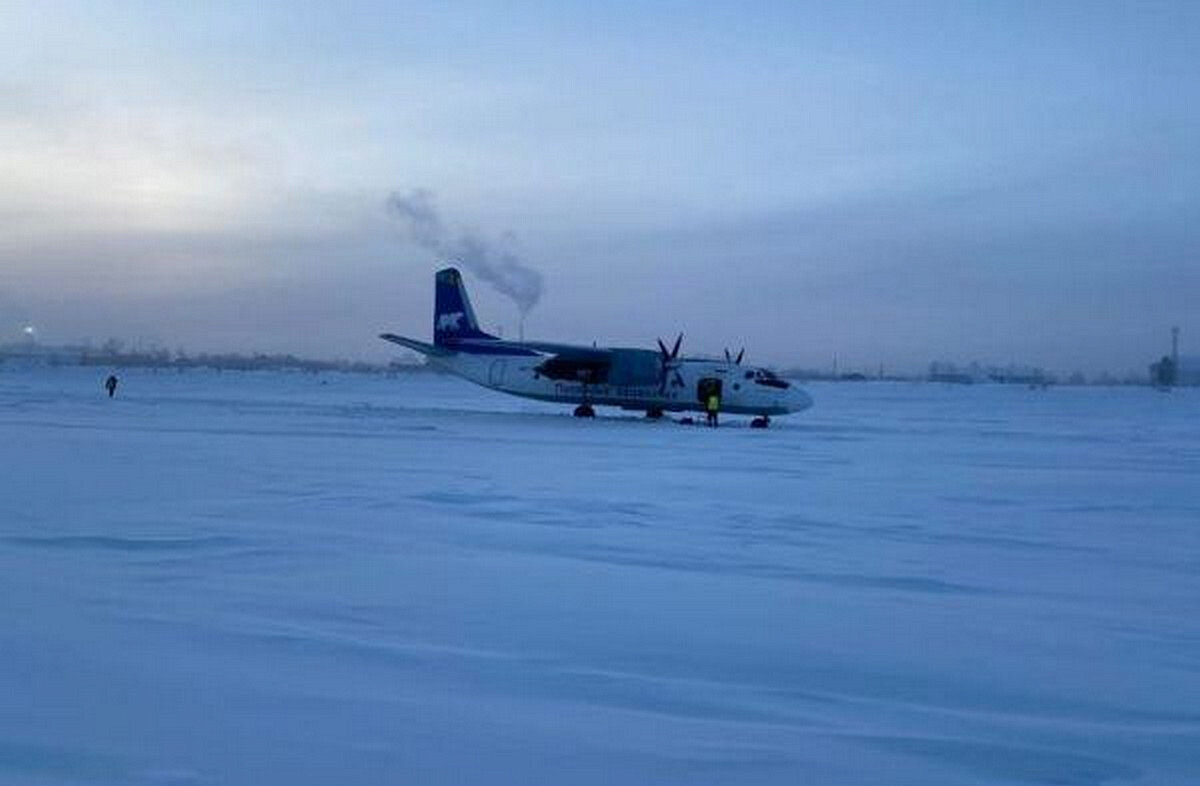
[(268, 578)]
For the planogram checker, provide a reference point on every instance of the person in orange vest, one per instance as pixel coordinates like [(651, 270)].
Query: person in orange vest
[(712, 405)]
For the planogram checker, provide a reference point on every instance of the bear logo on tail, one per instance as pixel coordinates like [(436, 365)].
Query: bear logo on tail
[(450, 323)]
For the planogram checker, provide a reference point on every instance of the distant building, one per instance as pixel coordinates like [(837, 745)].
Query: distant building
[(942, 371), (1166, 373), (1162, 372), (1175, 369)]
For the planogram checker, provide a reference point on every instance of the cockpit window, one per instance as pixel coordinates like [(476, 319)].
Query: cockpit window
[(768, 378)]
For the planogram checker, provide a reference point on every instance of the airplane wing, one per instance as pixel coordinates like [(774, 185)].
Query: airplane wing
[(572, 351), (565, 351), (568, 352)]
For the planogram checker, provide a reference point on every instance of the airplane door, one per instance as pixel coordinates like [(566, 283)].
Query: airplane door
[(706, 387), (496, 373)]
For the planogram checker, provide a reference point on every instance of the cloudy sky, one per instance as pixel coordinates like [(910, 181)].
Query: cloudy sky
[(887, 182)]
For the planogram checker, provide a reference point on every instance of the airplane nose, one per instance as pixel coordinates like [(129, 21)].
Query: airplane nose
[(798, 401)]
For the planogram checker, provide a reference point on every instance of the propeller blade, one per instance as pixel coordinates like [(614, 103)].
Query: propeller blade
[(728, 357), (738, 362), (668, 362)]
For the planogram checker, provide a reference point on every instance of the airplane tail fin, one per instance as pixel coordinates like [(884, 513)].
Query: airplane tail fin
[(453, 317)]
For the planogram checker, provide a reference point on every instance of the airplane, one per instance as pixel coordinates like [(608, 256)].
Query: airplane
[(653, 381)]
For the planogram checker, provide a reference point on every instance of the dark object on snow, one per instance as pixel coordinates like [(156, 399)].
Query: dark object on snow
[(1163, 373), (688, 421), (110, 385), (762, 421)]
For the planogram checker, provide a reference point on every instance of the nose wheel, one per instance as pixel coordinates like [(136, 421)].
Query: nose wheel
[(762, 421)]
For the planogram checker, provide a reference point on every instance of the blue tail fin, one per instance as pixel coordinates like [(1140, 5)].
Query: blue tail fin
[(453, 317)]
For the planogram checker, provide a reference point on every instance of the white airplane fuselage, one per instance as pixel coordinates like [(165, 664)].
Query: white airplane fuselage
[(518, 375)]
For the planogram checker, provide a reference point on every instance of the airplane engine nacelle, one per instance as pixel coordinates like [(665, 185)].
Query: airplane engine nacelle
[(635, 368)]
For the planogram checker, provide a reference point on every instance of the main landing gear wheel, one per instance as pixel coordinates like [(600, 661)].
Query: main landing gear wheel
[(585, 411), (762, 421), (654, 413)]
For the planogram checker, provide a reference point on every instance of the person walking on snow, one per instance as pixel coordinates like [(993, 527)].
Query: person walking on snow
[(110, 385)]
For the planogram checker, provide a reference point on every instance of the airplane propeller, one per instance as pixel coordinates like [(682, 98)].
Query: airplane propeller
[(729, 358), (673, 353), (670, 362)]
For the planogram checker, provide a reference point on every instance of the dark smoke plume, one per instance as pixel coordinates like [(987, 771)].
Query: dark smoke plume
[(497, 266)]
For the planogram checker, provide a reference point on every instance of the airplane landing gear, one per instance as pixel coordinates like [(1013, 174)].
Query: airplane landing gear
[(584, 410), (654, 413), (762, 421)]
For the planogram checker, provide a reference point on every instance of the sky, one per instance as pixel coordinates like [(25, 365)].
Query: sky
[(884, 183)]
